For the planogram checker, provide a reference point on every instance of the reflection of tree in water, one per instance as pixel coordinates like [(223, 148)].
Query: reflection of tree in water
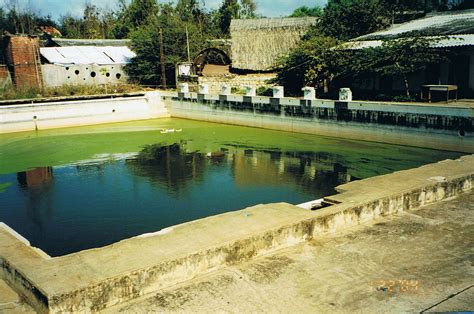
[(169, 166), (311, 171)]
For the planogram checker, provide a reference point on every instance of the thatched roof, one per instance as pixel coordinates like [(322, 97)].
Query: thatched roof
[(257, 43)]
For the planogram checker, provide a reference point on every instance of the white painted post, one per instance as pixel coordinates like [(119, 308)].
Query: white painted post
[(250, 90), (309, 93), (278, 92), (345, 94), (203, 89), (184, 87), (226, 90)]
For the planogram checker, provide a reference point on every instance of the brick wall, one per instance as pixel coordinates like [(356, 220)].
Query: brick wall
[(4, 76), (22, 57)]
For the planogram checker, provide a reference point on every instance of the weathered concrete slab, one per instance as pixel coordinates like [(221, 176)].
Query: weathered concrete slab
[(403, 263), (11, 302), (95, 279)]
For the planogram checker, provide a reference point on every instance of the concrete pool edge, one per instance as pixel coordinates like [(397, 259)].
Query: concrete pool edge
[(84, 281)]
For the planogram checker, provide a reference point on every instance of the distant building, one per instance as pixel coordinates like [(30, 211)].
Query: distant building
[(257, 43), (249, 58), (453, 30), (65, 61), (84, 61)]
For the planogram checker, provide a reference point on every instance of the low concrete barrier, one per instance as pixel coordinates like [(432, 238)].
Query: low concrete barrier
[(420, 125), (94, 279), (68, 113)]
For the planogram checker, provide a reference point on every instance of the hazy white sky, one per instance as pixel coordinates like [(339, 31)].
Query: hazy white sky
[(56, 8)]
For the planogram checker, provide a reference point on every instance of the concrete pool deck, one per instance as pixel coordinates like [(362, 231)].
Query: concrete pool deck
[(408, 262), (95, 279)]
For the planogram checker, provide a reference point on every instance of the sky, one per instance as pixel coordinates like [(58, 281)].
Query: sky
[(57, 8)]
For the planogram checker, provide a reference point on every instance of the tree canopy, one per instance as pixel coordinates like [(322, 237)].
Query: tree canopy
[(320, 61)]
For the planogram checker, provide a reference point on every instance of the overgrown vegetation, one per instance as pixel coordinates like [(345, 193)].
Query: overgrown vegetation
[(321, 60), (66, 90)]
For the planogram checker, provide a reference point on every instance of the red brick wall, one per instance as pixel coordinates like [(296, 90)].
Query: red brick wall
[(21, 56), (3, 72)]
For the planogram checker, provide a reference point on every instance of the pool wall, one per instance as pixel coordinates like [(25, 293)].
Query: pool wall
[(446, 127), (436, 126), (77, 112), (95, 279)]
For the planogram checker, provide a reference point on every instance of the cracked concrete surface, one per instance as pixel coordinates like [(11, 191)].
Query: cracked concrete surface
[(414, 261)]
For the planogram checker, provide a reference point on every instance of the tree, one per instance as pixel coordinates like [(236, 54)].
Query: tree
[(233, 9), (397, 58), (70, 26), (345, 19), (313, 63), (306, 11), (131, 17), (145, 68), (91, 27)]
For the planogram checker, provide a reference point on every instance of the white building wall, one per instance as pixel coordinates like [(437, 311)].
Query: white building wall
[(57, 75)]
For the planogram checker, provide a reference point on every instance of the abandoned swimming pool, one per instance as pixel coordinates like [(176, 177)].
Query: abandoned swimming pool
[(73, 189)]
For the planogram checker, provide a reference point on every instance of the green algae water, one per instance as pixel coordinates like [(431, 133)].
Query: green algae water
[(71, 189)]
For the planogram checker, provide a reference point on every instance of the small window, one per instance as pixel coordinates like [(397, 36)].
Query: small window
[(118, 76), (67, 68), (93, 74), (77, 72), (107, 74)]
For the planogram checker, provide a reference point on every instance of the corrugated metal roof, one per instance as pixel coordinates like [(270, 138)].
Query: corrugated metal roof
[(87, 55), (438, 42), (447, 23)]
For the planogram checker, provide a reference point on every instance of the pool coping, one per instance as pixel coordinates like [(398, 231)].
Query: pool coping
[(95, 279)]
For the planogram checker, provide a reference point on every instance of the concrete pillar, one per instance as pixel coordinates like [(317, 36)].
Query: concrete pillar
[(203, 89), (345, 94), (278, 92), (183, 87), (250, 90), (309, 93), (226, 90)]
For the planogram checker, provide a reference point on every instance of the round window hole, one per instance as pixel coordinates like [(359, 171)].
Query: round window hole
[(67, 68), (107, 74), (35, 117), (68, 77), (118, 76), (113, 110), (461, 133), (93, 74), (77, 72)]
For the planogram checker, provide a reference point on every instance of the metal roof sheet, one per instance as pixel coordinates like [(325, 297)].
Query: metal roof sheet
[(438, 42), (446, 23), (87, 55)]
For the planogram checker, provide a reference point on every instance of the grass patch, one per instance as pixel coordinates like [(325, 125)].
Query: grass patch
[(10, 93)]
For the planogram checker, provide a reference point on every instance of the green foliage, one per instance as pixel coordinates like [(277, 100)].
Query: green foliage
[(264, 91), (133, 16), (307, 11), (146, 67), (397, 58), (234, 9), (65, 90), (345, 19), (312, 63)]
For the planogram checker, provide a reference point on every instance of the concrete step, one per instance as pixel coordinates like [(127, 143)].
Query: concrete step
[(11, 302)]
